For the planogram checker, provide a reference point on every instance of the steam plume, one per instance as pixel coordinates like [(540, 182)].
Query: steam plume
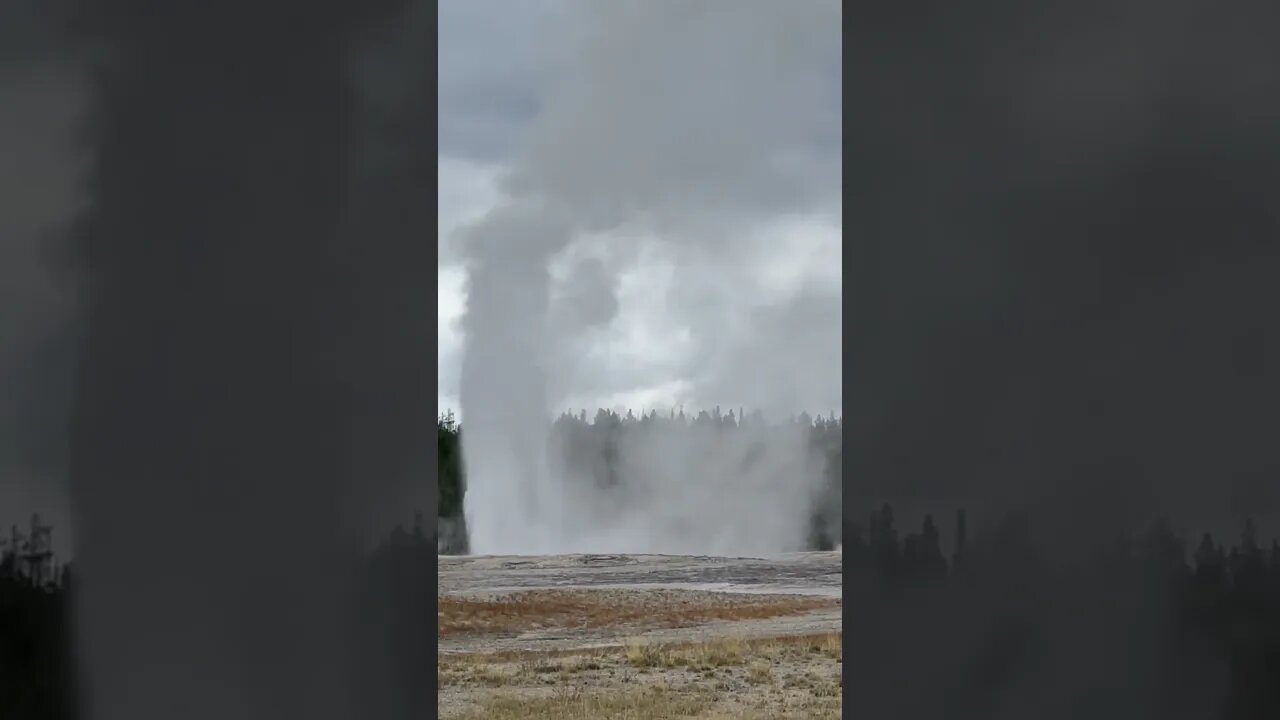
[(690, 121)]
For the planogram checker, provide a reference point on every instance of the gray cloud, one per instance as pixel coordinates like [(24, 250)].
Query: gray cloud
[(489, 72), (664, 136), (788, 359)]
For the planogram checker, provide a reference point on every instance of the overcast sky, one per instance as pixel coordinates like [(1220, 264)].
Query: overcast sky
[(747, 320)]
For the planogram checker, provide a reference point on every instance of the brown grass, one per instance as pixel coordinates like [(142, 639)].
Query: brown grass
[(781, 678), (790, 646), (572, 704), (786, 678), (730, 651), (595, 609)]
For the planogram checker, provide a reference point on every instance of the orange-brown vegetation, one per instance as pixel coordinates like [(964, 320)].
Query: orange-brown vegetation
[(597, 609)]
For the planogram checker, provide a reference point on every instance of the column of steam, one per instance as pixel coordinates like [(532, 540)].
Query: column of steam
[(513, 504), (209, 462)]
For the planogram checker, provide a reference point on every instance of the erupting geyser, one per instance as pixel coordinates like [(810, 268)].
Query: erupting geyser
[(691, 123)]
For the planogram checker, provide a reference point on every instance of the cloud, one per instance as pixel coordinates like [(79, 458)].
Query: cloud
[(489, 72), (699, 111), (466, 190), (694, 226)]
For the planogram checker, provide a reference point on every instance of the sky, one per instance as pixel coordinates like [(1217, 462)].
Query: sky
[(743, 313)]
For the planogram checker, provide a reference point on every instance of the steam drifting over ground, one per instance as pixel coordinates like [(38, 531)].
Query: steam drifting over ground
[(691, 132), (702, 489)]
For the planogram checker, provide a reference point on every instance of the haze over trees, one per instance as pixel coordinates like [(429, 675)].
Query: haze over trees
[(620, 460)]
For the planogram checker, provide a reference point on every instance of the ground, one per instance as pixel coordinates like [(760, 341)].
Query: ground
[(639, 636)]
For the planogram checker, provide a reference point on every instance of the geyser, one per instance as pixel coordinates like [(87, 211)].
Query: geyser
[(688, 122)]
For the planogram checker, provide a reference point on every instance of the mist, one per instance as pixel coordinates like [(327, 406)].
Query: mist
[(710, 486), (684, 131)]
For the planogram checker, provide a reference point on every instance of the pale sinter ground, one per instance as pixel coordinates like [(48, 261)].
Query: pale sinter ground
[(635, 636)]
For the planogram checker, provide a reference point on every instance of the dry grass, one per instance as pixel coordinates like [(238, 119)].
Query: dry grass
[(753, 679), (648, 703), (760, 673), (595, 609), (718, 653), (721, 652), (826, 645), (511, 656)]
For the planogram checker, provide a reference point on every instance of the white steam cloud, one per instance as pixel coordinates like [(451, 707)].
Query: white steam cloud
[(688, 125)]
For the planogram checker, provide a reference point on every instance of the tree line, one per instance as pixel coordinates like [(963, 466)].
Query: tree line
[(607, 451)]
